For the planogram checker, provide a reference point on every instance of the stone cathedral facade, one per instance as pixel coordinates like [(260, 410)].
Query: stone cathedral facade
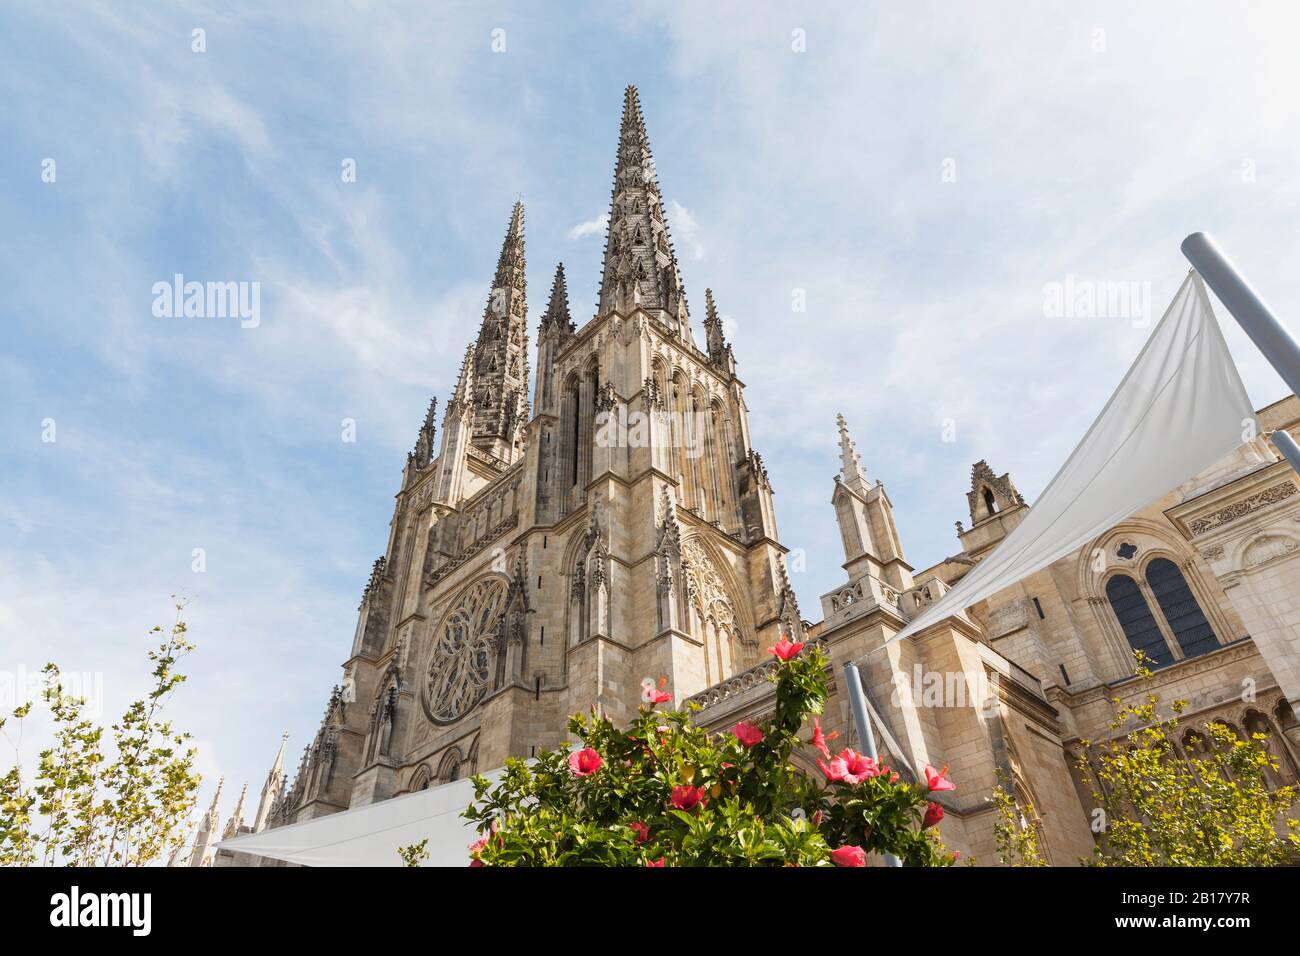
[(572, 528)]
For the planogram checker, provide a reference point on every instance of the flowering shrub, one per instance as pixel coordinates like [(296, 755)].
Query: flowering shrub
[(664, 792), (1161, 805)]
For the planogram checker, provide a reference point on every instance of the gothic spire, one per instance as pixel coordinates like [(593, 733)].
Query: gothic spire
[(850, 461), (271, 790), (500, 360), (557, 310), (423, 452), (463, 396), (715, 343), (640, 267), (237, 818), (510, 264)]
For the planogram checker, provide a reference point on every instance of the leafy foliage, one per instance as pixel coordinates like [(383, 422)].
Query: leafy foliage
[(1211, 806), (664, 792), (1016, 841), (85, 807)]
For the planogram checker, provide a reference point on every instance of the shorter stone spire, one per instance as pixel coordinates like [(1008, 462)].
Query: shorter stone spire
[(237, 818), (273, 788), (557, 316), (850, 461), (463, 396), (207, 835), (718, 347), (422, 454)]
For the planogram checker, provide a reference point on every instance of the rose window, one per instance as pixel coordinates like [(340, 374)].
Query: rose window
[(463, 653)]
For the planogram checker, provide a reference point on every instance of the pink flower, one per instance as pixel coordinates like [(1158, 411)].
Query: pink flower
[(474, 849), (687, 798), (660, 697), (849, 767), (584, 762), (857, 767), (933, 814), (747, 734), (655, 863), (820, 740), (937, 780), (849, 856), (641, 830), (834, 770), (786, 650)]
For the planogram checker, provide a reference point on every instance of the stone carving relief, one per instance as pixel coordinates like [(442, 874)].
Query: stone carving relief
[(1267, 547), (1240, 509), (705, 589)]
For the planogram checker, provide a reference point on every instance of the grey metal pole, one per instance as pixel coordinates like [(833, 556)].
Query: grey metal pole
[(1287, 446), (1269, 335), (858, 701)]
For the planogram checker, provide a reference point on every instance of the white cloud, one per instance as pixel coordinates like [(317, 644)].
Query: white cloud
[(592, 227), (685, 229)]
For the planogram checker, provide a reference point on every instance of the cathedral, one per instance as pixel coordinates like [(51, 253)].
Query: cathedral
[(593, 515)]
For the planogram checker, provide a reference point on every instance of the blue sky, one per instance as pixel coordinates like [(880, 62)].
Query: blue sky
[(1085, 142)]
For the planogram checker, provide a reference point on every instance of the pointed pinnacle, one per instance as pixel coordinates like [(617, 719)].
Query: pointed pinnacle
[(557, 310), (850, 460), (512, 247), (710, 310)]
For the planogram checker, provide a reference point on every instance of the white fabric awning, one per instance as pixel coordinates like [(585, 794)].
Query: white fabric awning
[(371, 835), (1180, 408)]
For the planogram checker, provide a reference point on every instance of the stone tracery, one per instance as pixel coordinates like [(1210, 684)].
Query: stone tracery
[(463, 653)]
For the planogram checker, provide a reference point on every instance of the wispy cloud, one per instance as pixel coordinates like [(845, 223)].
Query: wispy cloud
[(685, 230), (592, 227), (877, 217)]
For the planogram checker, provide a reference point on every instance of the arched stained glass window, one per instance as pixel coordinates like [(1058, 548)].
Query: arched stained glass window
[(1178, 605), (1136, 619)]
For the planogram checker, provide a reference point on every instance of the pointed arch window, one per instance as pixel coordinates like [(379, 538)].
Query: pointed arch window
[(1135, 617), (1177, 603), (989, 503)]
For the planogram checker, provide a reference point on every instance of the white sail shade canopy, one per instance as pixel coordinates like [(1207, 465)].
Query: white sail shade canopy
[(1180, 408)]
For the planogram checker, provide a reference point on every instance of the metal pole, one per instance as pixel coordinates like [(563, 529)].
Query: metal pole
[(858, 701), (1269, 335), (1287, 446)]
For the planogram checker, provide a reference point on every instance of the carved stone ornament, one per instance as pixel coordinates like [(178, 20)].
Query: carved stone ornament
[(1240, 509), (463, 652)]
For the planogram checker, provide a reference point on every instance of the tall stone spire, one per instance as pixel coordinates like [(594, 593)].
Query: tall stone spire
[(271, 790), (640, 268), (850, 461), (500, 357)]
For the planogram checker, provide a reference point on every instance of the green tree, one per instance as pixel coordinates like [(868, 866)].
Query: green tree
[(86, 807), (664, 792), (1211, 806)]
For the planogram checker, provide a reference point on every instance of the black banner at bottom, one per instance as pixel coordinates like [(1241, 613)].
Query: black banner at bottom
[(295, 905)]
